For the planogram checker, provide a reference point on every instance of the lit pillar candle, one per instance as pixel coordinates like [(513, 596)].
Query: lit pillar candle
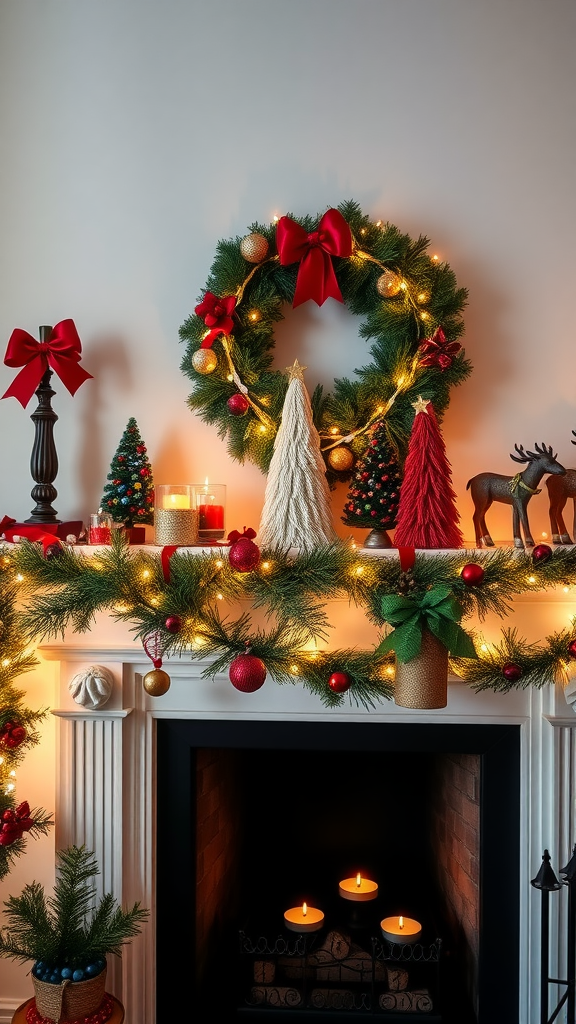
[(401, 929), (176, 501), (175, 517), (358, 888), (210, 502), (304, 919)]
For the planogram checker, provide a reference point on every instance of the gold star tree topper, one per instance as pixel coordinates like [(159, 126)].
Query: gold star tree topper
[(296, 372), (421, 404)]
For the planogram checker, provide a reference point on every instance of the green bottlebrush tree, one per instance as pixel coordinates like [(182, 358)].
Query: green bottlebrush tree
[(375, 492), (17, 724), (67, 931), (128, 496)]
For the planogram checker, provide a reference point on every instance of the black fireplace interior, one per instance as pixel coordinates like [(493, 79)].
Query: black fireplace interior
[(313, 803)]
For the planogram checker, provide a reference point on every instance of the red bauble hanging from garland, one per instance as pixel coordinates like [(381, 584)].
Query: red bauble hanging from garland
[(173, 624), (541, 553), (339, 682), (12, 735), (472, 574), (511, 672), (572, 649), (244, 554), (247, 673), (238, 405)]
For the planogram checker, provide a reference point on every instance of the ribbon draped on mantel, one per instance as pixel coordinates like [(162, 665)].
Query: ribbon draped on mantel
[(316, 278), (61, 353), (436, 610)]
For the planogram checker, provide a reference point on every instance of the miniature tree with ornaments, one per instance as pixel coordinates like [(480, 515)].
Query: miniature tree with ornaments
[(427, 514), (375, 492), (128, 496), (296, 511)]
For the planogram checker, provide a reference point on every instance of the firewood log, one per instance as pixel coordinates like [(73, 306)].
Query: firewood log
[(264, 972), (397, 979), (417, 1001), (275, 995), (332, 999)]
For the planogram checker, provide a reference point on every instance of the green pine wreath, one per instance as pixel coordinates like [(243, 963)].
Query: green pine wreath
[(421, 301)]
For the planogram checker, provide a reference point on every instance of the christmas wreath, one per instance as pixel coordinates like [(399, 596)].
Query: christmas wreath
[(411, 309)]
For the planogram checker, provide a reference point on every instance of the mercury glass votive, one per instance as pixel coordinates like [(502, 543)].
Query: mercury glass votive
[(100, 528), (175, 515)]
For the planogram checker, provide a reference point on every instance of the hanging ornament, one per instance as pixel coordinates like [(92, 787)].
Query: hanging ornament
[(339, 682), (12, 735), (254, 247), (238, 404), (388, 284), (156, 682), (173, 623), (511, 672), (247, 673), (541, 553), (244, 554), (472, 574), (341, 459), (572, 649), (204, 360)]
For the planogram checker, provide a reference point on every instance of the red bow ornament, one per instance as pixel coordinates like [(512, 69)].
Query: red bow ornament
[(60, 353), (216, 314), (316, 278), (437, 351), (15, 823)]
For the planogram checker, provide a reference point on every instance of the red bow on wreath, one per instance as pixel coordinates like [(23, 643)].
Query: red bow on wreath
[(216, 314), (60, 353), (15, 823), (316, 278), (437, 351)]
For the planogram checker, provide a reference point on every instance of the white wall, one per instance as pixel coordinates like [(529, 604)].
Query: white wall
[(136, 133)]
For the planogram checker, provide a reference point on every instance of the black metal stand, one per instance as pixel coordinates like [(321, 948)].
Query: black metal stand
[(44, 460), (547, 882)]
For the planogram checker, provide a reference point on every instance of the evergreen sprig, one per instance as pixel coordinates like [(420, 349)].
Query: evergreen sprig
[(540, 664)]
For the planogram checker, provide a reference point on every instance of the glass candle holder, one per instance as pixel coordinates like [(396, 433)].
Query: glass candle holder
[(175, 515), (211, 505), (100, 528)]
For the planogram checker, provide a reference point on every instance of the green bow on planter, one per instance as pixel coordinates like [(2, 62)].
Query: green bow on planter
[(436, 610)]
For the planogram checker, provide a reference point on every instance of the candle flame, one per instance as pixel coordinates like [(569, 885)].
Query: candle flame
[(304, 910), (358, 879), (400, 922)]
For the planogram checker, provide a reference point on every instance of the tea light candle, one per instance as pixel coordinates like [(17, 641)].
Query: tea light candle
[(304, 919), (401, 929), (358, 889)]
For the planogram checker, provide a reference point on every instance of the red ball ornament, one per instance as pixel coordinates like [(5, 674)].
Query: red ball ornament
[(238, 404), (511, 672), (541, 553), (472, 574), (247, 673), (244, 554), (572, 649), (173, 623), (339, 682), (12, 735)]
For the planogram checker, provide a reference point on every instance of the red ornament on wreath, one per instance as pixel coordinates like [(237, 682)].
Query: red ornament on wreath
[(572, 649), (244, 554), (173, 623), (238, 404), (541, 553), (12, 735), (339, 682), (247, 673), (511, 672), (472, 574)]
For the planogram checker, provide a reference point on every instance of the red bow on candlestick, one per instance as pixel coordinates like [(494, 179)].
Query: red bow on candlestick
[(60, 353), (316, 278), (217, 314)]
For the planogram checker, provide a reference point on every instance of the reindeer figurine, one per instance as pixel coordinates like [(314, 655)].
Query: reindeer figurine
[(516, 491), (559, 490)]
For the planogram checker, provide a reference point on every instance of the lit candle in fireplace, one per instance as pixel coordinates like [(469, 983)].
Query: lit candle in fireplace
[(358, 888), (304, 919), (401, 929)]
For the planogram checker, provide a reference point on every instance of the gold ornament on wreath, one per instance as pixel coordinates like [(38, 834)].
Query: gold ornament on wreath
[(388, 284), (341, 459), (204, 360), (254, 247)]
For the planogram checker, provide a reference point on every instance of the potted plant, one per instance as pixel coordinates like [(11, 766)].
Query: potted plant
[(68, 936)]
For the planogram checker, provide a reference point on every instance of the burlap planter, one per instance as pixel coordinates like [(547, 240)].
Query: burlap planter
[(71, 999), (422, 682)]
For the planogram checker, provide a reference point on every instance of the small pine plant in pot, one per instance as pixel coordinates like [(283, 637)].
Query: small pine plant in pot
[(68, 936)]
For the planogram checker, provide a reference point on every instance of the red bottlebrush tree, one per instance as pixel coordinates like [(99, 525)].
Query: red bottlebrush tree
[(427, 514)]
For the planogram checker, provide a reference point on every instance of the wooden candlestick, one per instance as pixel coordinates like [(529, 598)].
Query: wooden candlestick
[(44, 460)]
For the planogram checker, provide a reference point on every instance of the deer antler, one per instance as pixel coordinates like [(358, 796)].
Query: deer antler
[(574, 432), (524, 456), (545, 450)]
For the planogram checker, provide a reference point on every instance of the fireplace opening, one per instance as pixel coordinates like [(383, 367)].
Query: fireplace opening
[(255, 817)]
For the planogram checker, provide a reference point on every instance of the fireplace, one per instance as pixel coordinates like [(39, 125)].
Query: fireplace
[(257, 816)]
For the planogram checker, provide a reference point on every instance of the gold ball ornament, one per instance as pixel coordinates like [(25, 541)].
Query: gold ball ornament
[(156, 682), (388, 284), (341, 459), (254, 248), (204, 360)]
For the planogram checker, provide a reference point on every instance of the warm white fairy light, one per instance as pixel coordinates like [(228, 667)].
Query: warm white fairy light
[(294, 669), (145, 574), (219, 597), (219, 563), (5, 662), (230, 377), (19, 578), (531, 579), (265, 566), (10, 788)]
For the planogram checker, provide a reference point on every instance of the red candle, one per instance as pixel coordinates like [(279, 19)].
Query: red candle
[(211, 517)]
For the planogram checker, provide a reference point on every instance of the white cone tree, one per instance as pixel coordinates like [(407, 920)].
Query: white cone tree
[(296, 511)]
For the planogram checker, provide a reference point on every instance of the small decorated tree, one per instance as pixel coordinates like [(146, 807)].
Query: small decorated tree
[(375, 490), (128, 496), (427, 514), (296, 509)]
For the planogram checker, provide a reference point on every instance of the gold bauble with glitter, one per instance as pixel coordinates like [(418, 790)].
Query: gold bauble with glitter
[(204, 360), (156, 682), (341, 459), (388, 284), (254, 247)]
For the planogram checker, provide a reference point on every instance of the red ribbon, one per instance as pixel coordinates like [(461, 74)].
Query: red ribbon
[(167, 552), (10, 528), (438, 351), (407, 557), (316, 278), (217, 314), (60, 353), (235, 535)]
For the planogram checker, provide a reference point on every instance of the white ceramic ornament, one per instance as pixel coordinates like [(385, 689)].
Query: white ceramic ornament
[(93, 687)]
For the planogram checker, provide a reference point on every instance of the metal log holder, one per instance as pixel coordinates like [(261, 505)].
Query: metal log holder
[(547, 882)]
